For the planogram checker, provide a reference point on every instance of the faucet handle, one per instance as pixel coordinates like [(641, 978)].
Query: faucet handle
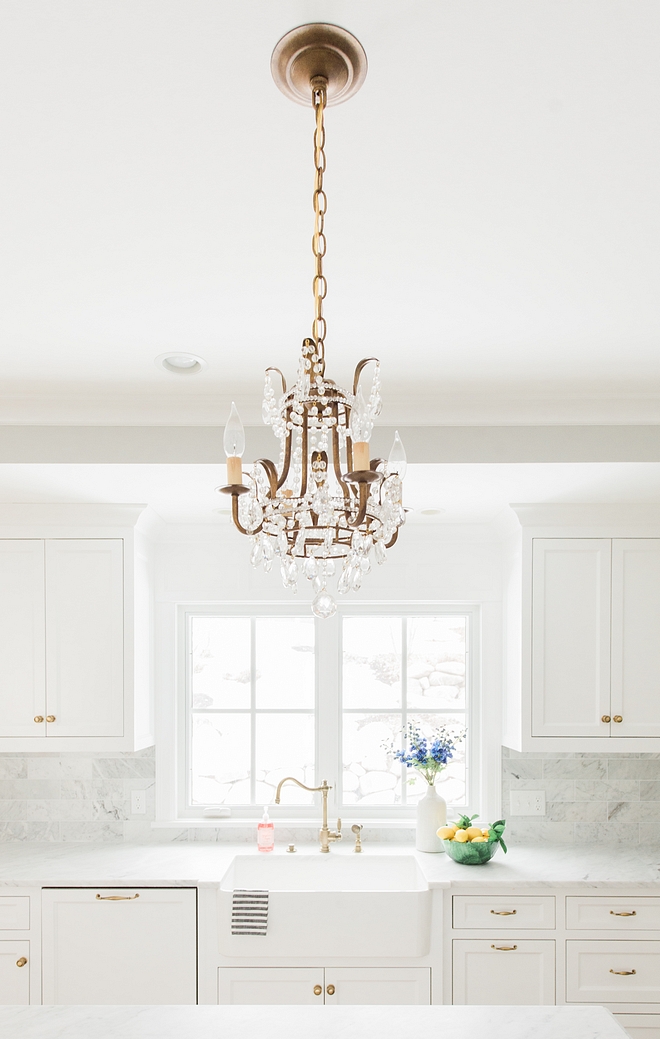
[(338, 825)]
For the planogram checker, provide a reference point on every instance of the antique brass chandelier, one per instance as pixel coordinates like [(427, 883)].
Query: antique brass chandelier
[(326, 508)]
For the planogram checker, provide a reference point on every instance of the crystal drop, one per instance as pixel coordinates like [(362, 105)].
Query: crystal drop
[(269, 551), (344, 582), (268, 564), (310, 567), (324, 606), (365, 565), (380, 551), (256, 553), (317, 585), (328, 568), (356, 580)]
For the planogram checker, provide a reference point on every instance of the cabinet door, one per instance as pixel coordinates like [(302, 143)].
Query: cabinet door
[(22, 638), (612, 972), (297, 986), (640, 1026), (571, 636), (636, 636), (119, 946), (85, 637), (378, 986), (14, 973), (504, 972)]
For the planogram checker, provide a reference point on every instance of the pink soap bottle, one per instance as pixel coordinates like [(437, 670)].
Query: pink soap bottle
[(265, 833)]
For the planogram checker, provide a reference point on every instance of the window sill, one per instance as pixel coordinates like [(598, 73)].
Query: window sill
[(236, 822)]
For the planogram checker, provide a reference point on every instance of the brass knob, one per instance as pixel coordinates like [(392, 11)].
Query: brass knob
[(606, 718), (330, 990), (38, 718), (318, 989), (618, 718), (21, 962), (50, 717)]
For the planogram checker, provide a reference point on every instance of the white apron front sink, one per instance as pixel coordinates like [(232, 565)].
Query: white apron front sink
[(331, 905)]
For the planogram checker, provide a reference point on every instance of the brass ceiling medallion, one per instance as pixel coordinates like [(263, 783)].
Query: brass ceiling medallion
[(326, 502)]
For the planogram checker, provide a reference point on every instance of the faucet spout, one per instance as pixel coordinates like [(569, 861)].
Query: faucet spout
[(325, 835)]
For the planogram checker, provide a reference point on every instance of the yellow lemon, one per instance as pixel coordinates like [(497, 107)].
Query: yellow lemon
[(486, 833), (478, 840), (446, 833), (474, 831), (461, 836)]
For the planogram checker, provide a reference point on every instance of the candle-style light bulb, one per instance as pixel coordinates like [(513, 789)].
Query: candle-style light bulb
[(397, 461), (234, 444)]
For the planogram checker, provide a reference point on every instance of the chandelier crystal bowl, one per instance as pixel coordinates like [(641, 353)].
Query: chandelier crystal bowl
[(326, 509)]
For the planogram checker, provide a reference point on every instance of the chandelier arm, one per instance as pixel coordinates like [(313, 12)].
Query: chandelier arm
[(336, 460), (237, 523), (362, 508), (359, 369), (271, 473), (392, 540), (349, 447), (274, 369), (287, 462)]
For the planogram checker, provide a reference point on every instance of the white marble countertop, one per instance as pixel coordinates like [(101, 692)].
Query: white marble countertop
[(199, 864), (291, 1022)]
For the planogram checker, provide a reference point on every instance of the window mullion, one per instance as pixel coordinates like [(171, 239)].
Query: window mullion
[(404, 699), (253, 705), (328, 716)]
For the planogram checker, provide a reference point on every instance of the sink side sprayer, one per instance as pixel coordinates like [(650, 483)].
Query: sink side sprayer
[(325, 835)]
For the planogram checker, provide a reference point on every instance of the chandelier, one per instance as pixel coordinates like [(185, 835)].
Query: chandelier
[(326, 509)]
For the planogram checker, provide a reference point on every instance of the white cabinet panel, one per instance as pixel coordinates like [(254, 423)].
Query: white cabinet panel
[(501, 972), (85, 637), (640, 1026), (22, 638), (636, 636), (14, 973), (570, 636), (590, 912), (14, 912), (612, 972), (378, 986), (119, 945), (510, 912), (251, 986)]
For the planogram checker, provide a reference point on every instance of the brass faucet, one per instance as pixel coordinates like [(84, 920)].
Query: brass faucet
[(325, 835)]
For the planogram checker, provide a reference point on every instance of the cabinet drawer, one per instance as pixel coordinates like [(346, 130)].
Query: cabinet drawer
[(503, 972), (507, 913), (613, 914), (14, 913), (640, 1026), (612, 972)]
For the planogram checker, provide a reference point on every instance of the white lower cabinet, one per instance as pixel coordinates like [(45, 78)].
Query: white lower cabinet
[(120, 945), (640, 1026), (612, 972), (344, 986), (502, 972), (14, 973)]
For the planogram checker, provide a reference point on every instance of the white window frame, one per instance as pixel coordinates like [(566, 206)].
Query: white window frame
[(328, 709)]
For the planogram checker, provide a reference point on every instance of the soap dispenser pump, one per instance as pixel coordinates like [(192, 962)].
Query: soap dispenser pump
[(265, 833)]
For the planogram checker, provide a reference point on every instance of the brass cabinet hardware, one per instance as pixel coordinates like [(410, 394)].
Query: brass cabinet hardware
[(505, 948), (318, 989), (617, 718), (634, 913), (504, 912), (50, 717), (330, 990), (21, 962), (117, 898), (606, 718), (38, 718), (622, 971)]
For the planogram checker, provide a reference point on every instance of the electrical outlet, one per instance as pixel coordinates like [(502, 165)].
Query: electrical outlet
[(527, 802), (138, 802)]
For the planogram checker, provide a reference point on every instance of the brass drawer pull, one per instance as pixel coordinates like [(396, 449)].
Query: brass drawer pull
[(21, 962), (38, 718), (618, 718), (504, 948), (606, 718), (504, 912), (330, 990), (622, 971), (318, 989), (634, 913), (50, 717), (116, 898)]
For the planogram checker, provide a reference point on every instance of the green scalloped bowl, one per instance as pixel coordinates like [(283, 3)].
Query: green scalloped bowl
[(470, 854)]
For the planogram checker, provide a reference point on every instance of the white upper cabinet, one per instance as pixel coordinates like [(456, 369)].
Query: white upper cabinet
[(588, 676), (75, 631)]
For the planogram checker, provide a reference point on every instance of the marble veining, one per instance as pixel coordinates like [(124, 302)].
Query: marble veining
[(295, 1022)]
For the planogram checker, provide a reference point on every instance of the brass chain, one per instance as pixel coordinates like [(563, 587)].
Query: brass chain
[(319, 285)]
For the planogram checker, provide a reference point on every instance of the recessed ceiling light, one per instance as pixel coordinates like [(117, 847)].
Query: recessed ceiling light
[(180, 363), (432, 512)]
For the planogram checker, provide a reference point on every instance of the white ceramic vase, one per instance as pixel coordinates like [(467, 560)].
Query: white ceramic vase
[(431, 815)]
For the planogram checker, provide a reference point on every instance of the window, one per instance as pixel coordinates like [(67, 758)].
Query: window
[(271, 696)]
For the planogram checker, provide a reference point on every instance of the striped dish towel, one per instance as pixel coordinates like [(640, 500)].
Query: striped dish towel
[(249, 912)]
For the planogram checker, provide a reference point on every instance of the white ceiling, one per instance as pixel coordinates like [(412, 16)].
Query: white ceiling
[(463, 493), (494, 221)]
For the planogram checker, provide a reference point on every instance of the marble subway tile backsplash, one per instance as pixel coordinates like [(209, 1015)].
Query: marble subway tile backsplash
[(603, 799)]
